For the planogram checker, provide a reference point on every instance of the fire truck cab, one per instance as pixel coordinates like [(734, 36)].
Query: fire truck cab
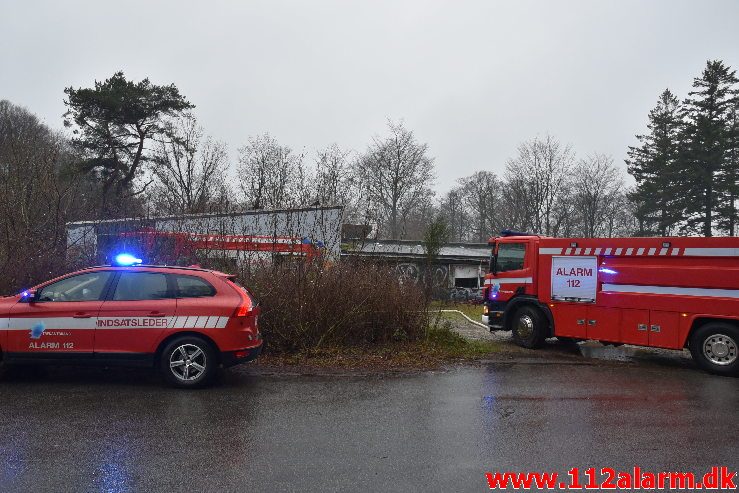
[(674, 293)]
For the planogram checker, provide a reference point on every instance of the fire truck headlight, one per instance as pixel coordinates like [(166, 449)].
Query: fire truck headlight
[(126, 260)]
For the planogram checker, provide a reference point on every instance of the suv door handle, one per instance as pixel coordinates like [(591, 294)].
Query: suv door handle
[(82, 315), (157, 314)]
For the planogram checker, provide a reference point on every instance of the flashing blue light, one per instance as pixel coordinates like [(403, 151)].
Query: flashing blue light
[(606, 270), (25, 294), (125, 260)]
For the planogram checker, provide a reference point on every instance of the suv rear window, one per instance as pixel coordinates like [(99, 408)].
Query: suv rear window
[(192, 287)]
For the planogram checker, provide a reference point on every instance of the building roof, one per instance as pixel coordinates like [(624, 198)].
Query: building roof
[(414, 249)]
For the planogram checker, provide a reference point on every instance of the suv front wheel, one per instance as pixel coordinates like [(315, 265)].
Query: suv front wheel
[(188, 362)]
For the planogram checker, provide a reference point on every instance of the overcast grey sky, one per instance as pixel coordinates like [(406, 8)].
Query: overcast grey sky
[(472, 78)]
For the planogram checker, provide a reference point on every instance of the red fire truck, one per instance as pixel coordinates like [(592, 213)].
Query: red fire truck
[(662, 292)]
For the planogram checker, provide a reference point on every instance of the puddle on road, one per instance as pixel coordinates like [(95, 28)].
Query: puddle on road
[(595, 350)]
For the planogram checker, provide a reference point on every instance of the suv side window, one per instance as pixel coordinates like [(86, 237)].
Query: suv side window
[(510, 256), (141, 286), (192, 287), (82, 287)]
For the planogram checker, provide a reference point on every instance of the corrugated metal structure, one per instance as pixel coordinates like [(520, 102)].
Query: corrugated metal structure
[(97, 241), (458, 265)]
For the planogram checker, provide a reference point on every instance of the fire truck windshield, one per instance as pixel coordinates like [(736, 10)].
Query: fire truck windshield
[(510, 257)]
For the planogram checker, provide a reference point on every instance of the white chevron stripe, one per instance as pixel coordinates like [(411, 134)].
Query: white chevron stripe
[(112, 323)]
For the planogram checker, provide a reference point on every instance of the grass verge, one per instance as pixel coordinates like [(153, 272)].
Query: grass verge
[(474, 311), (442, 345)]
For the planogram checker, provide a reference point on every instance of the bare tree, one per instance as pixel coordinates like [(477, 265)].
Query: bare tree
[(597, 187), (397, 173), (453, 210), (40, 190), (538, 181), (189, 170), (482, 192), (272, 176), (332, 181)]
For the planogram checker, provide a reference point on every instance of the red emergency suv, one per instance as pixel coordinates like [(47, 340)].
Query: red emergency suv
[(185, 321)]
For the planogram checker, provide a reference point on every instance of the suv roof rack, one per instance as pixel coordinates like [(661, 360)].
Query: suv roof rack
[(149, 265)]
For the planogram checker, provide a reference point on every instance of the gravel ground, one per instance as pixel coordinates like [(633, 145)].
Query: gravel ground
[(587, 349), (471, 331)]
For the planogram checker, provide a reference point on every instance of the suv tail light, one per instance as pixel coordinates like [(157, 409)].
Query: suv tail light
[(247, 302)]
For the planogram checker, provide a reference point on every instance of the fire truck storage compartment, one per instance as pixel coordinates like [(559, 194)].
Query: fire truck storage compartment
[(630, 307)]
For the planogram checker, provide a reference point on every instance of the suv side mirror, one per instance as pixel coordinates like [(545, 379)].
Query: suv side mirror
[(29, 296)]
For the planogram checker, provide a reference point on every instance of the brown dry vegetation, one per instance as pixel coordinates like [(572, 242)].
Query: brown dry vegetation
[(351, 315), (310, 305)]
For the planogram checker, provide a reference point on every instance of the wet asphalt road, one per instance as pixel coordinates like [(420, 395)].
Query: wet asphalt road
[(121, 430)]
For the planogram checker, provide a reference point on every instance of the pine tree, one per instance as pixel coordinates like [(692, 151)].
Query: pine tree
[(705, 145), (653, 165), (729, 178)]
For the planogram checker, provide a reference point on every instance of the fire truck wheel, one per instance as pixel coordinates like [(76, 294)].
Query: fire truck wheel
[(188, 362), (715, 347), (529, 327)]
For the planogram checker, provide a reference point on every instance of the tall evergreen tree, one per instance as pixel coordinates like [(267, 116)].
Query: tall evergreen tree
[(654, 166), (729, 180), (705, 145)]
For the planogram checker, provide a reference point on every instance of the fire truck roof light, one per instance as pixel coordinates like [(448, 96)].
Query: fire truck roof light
[(127, 260)]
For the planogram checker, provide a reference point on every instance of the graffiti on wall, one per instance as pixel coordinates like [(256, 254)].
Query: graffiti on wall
[(411, 273)]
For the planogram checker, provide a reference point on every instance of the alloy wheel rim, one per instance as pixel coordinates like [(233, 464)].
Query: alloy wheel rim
[(720, 349), (187, 362)]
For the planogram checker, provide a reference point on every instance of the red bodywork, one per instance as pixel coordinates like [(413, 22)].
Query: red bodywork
[(130, 332), (648, 291)]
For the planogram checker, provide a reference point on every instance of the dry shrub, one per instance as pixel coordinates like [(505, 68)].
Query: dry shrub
[(350, 303)]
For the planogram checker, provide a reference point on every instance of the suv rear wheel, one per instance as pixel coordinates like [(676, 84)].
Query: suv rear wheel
[(188, 362), (529, 327), (715, 347)]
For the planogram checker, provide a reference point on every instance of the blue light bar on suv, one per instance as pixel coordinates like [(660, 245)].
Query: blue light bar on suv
[(126, 260)]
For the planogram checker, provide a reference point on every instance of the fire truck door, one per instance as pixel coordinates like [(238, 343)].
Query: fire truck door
[(603, 323), (635, 327), (663, 329)]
